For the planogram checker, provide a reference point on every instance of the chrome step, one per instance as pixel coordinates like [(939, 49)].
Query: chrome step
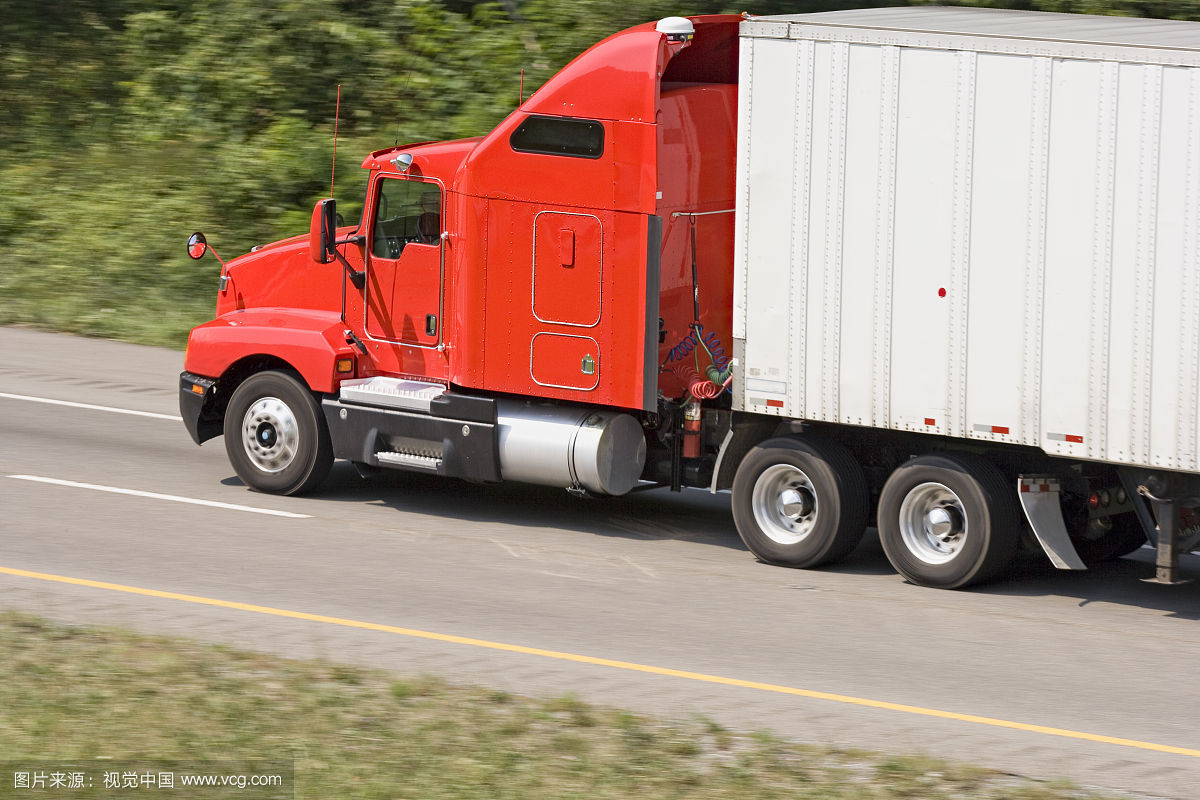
[(409, 461), (391, 392)]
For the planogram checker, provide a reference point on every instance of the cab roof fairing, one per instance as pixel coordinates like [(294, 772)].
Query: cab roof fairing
[(439, 159), (617, 78)]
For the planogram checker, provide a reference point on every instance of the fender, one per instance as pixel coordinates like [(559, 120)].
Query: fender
[(310, 341)]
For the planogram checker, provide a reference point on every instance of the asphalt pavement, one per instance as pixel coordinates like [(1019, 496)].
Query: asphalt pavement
[(648, 601)]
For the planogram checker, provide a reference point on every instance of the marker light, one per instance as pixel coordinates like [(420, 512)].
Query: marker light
[(344, 365)]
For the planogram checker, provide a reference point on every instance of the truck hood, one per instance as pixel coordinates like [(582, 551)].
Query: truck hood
[(282, 274), (269, 246)]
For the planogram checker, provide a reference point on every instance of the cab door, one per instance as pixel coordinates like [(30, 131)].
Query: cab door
[(405, 263)]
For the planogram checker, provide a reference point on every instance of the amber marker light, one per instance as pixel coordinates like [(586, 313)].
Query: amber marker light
[(197, 389), (344, 366)]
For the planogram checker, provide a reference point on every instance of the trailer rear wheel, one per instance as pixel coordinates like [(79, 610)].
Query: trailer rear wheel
[(275, 435), (800, 502), (948, 520)]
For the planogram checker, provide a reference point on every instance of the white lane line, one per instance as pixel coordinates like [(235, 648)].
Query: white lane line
[(157, 496), (90, 406)]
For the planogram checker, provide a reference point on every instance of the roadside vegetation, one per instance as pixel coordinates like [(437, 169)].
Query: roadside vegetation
[(128, 124), (107, 698)]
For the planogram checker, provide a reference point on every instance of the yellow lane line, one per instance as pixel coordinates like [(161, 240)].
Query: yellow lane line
[(604, 662)]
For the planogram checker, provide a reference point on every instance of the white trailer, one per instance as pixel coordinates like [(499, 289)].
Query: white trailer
[(967, 275)]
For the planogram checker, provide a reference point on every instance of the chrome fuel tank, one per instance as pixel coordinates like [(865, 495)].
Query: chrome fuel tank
[(601, 451)]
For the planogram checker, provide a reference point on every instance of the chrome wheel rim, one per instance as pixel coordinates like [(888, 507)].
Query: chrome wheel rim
[(784, 501), (933, 523), (270, 434)]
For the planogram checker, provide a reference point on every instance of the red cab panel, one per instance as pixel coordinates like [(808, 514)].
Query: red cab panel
[(568, 268), (564, 361)]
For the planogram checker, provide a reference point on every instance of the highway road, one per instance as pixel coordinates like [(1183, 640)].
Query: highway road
[(647, 602)]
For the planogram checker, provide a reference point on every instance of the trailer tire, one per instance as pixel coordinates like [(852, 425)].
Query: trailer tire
[(800, 502), (948, 520), (276, 436)]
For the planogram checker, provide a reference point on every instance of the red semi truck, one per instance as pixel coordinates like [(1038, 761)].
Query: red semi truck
[(564, 301)]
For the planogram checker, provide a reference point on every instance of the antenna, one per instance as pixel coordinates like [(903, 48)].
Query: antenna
[(403, 93), (522, 87), (336, 113)]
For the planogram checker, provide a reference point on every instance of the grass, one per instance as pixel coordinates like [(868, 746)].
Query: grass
[(107, 697), (156, 322)]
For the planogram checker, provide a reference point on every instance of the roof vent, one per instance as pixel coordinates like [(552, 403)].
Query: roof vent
[(677, 29)]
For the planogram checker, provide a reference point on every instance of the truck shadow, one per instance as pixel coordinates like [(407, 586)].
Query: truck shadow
[(693, 515), (1121, 582)]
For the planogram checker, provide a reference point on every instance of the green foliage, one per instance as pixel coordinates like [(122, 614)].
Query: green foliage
[(128, 124)]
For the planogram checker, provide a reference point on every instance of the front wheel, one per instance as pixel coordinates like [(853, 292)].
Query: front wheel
[(800, 502), (948, 520), (275, 435)]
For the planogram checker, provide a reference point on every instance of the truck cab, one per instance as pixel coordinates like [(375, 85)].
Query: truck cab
[(536, 304)]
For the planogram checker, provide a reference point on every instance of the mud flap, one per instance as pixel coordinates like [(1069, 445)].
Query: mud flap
[(1040, 501)]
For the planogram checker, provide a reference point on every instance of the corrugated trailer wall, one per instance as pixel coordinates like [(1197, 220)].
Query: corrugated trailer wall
[(971, 237)]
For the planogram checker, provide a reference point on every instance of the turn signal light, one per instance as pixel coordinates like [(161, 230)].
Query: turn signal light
[(344, 366), (197, 389)]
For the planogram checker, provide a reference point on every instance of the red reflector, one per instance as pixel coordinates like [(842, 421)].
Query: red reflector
[(775, 403), (930, 421), (999, 429), (1075, 439), (1094, 500)]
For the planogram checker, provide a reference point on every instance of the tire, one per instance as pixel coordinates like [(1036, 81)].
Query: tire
[(800, 502), (949, 520), (275, 435)]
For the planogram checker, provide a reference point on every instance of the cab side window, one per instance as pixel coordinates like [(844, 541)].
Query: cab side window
[(406, 212), (559, 136)]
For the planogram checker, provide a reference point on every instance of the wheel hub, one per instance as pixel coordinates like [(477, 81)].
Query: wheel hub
[(784, 502), (267, 437), (797, 503), (933, 523), (944, 523), (270, 434)]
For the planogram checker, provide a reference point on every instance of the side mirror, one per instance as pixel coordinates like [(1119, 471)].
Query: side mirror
[(197, 246), (322, 231)]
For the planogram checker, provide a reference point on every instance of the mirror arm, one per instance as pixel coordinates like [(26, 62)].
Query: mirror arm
[(359, 279)]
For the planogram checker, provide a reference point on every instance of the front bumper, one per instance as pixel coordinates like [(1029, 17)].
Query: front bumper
[(202, 415)]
